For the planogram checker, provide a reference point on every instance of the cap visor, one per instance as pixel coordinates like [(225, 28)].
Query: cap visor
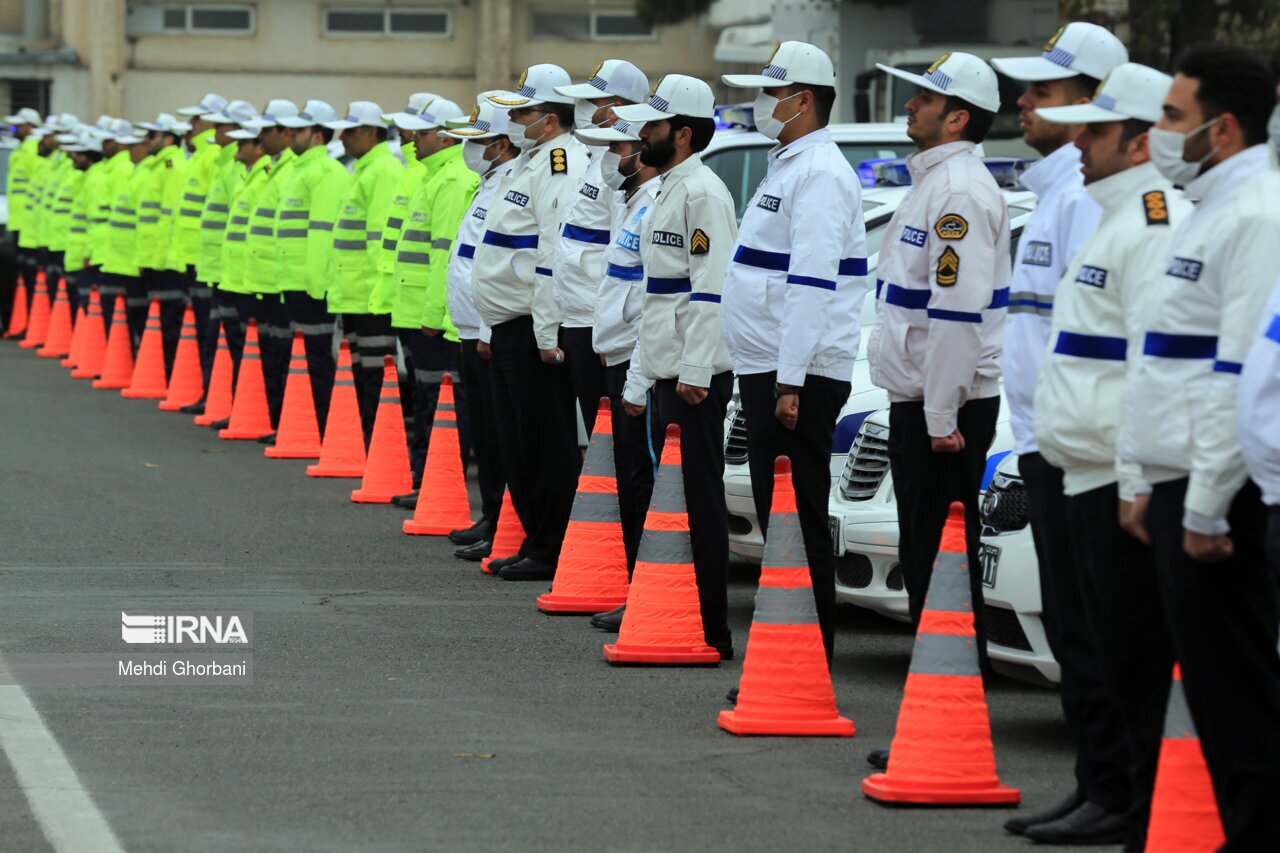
[(604, 136), (415, 123), (190, 111), (640, 113), (912, 78), (583, 92), (512, 101), (217, 118), (340, 124), (243, 134), (751, 81), (1079, 114), (294, 121), (1031, 69), (470, 133), (128, 140)]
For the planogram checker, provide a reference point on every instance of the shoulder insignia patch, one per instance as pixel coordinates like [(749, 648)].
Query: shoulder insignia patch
[(948, 267), (699, 242), (559, 165), (1157, 208), (952, 226)]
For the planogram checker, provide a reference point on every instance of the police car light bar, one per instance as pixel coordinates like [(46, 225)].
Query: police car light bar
[(736, 115), (894, 173)]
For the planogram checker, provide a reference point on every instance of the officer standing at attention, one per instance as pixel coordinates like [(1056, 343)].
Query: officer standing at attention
[(22, 163), (792, 299), (940, 318), (1067, 72), (155, 222), (119, 160), (1077, 415), (235, 249), (121, 260), (511, 281), (488, 152), (681, 354), (579, 259), (1204, 517)]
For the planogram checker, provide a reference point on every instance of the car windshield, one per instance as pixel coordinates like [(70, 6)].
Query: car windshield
[(4, 169)]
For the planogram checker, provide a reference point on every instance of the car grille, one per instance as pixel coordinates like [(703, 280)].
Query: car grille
[(853, 571), (1004, 629), (867, 463), (735, 444), (1004, 508)]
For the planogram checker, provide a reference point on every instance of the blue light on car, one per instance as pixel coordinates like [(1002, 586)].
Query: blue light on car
[(894, 173), (867, 172), (993, 462), (846, 432), (735, 115)]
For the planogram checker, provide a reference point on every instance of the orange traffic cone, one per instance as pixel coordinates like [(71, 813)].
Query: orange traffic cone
[(942, 753), (342, 451), (663, 619), (591, 575), (57, 337), (509, 535), (38, 321), (148, 381), (1184, 808), (77, 338), (386, 471), (442, 500), (117, 361), (93, 340), (217, 403), (786, 686), (186, 382), (299, 434), (249, 416), (18, 313)]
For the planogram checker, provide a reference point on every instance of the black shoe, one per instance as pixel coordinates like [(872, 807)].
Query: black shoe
[(482, 529), (222, 424), (879, 758), (732, 696), (611, 621), (193, 409), (527, 570), (501, 563), (269, 439), (409, 501), (1019, 825), (726, 652), (1088, 824), (474, 552)]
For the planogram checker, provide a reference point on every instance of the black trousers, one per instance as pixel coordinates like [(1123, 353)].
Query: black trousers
[(585, 370), (809, 448), (1132, 652), (208, 321), (275, 338), (312, 318), (702, 463), (533, 410), (226, 307), (10, 272), (1093, 716), (633, 460), (925, 484), (168, 287), (371, 340), (429, 359), (111, 289), (1223, 622), (490, 477), (1273, 541), (136, 306)]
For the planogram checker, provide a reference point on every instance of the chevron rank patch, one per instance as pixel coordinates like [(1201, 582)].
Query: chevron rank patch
[(1157, 208), (699, 242), (558, 163), (952, 226), (948, 267)]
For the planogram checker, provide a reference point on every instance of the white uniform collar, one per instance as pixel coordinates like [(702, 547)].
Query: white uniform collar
[(1224, 178), (817, 137), (1059, 169), (684, 169), (1121, 188), (921, 162)]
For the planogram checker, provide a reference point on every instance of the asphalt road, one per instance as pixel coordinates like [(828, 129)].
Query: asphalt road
[(401, 700)]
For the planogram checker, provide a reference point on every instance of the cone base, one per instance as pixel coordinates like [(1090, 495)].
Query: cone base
[(278, 452), (44, 353), (880, 787), (427, 528), (735, 723), (363, 496), (347, 473), (130, 394), (67, 362), (167, 405), (209, 419), (688, 655), (109, 385), (27, 344), (84, 373), (241, 434), (549, 602)]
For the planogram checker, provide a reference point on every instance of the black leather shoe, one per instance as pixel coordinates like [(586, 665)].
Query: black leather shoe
[(1019, 825), (1088, 824), (409, 501), (527, 570), (269, 439), (726, 652), (474, 552), (879, 758), (611, 621), (501, 563), (732, 696), (482, 529), (193, 409), (222, 424)]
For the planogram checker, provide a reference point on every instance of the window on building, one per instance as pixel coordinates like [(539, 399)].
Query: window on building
[(355, 21), (189, 19), (582, 25)]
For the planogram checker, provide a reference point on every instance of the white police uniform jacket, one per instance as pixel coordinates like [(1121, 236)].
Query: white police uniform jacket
[(799, 272), (584, 238), (616, 322), (512, 269), (1064, 216), (1207, 294), (1259, 414), (940, 314), (462, 305), (1096, 328), (685, 248)]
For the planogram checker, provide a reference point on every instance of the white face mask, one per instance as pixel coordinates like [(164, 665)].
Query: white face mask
[(1167, 149), (610, 164), (516, 133), (1273, 130), (765, 122), (583, 114), (473, 155)]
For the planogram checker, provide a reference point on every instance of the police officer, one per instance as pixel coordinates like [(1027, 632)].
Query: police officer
[(121, 260), (119, 165), (1077, 414), (488, 152), (234, 286), (1068, 71), (940, 317), (511, 278), (88, 156), (1205, 517), (681, 354), (579, 260), (155, 221), (22, 164)]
